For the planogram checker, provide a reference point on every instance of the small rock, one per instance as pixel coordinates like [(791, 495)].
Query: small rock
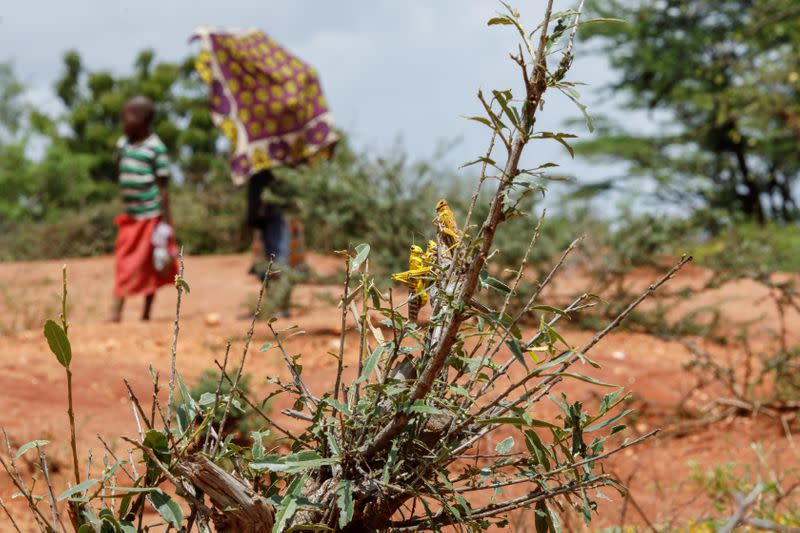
[(213, 319), (642, 428), (618, 355)]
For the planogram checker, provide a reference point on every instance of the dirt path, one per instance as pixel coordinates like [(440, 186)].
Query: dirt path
[(33, 386)]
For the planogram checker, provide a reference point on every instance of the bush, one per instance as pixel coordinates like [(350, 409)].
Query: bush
[(87, 233), (209, 220), (241, 419), (355, 197), (404, 433), (751, 249)]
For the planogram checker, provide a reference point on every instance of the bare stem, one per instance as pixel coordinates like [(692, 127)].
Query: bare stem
[(49, 485), (70, 411), (11, 518), (222, 374), (238, 377), (343, 332), (176, 330)]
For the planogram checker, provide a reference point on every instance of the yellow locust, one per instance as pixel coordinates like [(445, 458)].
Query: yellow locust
[(417, 277)]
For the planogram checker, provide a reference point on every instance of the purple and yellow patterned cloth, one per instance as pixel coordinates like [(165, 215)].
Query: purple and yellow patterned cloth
[(267, 102)]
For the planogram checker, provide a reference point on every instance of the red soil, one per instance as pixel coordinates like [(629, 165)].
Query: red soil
[(32, 404)]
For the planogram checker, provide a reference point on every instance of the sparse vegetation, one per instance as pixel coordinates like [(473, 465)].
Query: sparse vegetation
[(462, 415), (401, 446)]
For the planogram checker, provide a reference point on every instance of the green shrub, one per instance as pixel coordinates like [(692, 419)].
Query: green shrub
[(241, 419), (356, 197)]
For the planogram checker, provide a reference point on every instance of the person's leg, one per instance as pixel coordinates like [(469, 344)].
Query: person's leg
[(148, 305), (116, 310), (275, 236)]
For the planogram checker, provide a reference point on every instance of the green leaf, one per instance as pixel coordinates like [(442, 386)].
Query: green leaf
[(510, 420), (587, 379), (287, 511), (339, 406), (585, 359), (58, 342), (420, 407), (305, 460), (496, 284), (370, 364), (513, 345), (30, 445), (604, 423), (610, 400), (503, 98), (573, 95), (505, 445), (168, 508), (548, 309), (181, 284), (483, 159), (288, 504), (133, 490), (541, 521), (80, 487), (558, 137), (482, 120), (156, 440), (537, 448), (344, 501), (391, 462), (189, 404), (258, 445), (208, 398), (266, 346), (362, 252), (330, 436), (127, 527)]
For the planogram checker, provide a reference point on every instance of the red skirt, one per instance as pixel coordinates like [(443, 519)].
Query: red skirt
[(133, 254)]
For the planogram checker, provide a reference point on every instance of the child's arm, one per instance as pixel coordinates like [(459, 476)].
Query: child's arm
[(163, 189), (117, 157), (163, 177)]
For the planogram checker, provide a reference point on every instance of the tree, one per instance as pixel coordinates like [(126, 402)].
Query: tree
[(93, 101), (12, 109), (725, 75)]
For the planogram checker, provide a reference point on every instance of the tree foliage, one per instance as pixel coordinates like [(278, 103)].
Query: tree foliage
[(93, 100), (722, 79), (11, 108)]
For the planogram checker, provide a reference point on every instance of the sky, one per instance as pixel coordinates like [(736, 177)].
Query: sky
[(402, 71)]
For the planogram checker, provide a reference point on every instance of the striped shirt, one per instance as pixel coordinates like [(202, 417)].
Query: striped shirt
[(140, 166)]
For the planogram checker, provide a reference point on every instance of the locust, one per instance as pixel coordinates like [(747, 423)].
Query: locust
[(418, 277), (424, 266)]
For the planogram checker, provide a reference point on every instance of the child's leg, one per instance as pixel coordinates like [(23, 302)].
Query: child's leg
[(148, 305), (116, 310)]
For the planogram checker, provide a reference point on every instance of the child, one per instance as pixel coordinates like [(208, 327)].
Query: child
[(144, 182)]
